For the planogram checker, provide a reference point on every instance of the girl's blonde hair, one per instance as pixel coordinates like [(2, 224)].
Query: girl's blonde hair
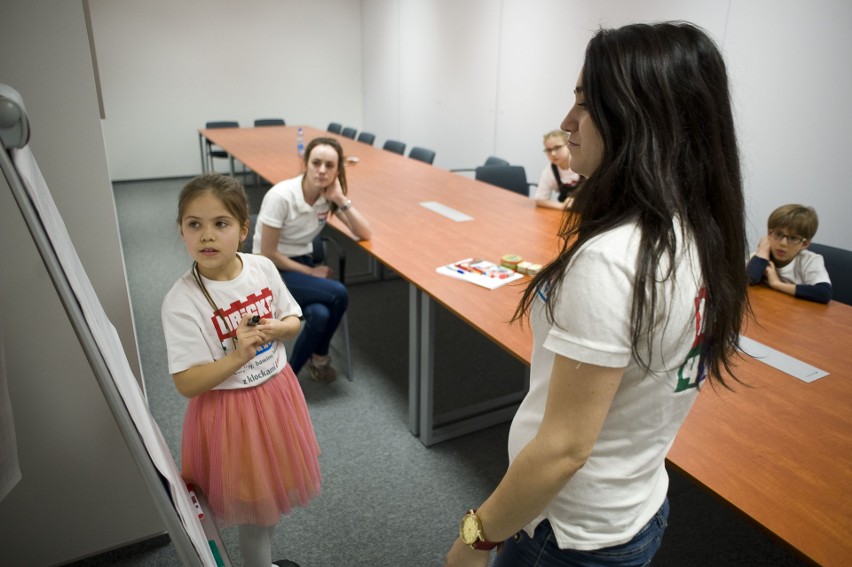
[(563, 135)]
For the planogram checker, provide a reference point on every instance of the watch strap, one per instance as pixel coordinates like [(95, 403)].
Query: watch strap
[(481, 544)]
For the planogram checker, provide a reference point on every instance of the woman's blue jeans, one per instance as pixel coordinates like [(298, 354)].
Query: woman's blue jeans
[(323, 302), (542, 551)]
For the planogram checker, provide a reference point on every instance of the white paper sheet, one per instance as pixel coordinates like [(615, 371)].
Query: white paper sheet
[(109, 344), (446, 211), (783, 362), (10, 470), (492, 276)]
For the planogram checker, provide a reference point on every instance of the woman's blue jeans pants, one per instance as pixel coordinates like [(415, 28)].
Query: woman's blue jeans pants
[(323, 302), (542, 551)]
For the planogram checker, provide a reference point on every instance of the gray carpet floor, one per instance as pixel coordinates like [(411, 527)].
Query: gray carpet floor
[(387, 500)]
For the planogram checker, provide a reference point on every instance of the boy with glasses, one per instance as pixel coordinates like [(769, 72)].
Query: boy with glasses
[(781, 260)]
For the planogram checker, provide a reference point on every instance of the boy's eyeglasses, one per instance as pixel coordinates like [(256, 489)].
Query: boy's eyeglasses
[(778, 236), (554, 149)]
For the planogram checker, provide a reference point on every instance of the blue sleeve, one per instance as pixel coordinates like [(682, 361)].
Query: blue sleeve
[(821, 292), (756, 268)]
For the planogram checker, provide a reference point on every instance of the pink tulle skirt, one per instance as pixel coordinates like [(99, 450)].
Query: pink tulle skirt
[(252, 451)]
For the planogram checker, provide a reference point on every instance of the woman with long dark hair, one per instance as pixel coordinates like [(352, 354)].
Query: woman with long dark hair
[(644, 301)]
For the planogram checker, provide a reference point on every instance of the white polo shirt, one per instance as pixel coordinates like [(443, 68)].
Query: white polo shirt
[(284, 207)]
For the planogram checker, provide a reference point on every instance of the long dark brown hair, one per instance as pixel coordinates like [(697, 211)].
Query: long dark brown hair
[(658, 95)]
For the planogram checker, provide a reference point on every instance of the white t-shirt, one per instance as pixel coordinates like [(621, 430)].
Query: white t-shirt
[(547, 183), (623, 483), (806, 268), (284, 207), (195, 335)]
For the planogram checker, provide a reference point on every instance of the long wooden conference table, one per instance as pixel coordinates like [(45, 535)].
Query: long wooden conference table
[(776, 448)]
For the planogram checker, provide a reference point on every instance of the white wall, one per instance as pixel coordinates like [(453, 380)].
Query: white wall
[(168, 67), (480, 77), (789, 63), (80, 491), (466, 78)]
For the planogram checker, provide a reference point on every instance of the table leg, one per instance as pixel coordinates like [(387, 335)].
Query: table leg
[(449, 425), (203, 157), (427, 370), (414, 359)]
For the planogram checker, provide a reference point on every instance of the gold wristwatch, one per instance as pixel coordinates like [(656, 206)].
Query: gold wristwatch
[(470, 532)]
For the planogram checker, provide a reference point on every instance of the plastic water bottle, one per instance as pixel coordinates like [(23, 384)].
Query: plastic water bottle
[(300, 142)]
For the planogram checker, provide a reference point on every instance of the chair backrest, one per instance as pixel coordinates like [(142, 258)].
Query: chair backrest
[(222, 124), (334, 127), (349, 132), (270, 122), (511, 177), (494, 160), (838, 262), (367, 138), (422, 154), (394, 146), (218, 153)]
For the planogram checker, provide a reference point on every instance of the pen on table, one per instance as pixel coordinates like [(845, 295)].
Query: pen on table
[(195, 503)]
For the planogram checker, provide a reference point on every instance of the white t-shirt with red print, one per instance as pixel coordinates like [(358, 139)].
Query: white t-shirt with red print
[(196, 335)]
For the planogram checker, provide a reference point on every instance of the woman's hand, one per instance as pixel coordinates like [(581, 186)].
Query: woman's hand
[(321, 271), (334, 193), (462, 555)]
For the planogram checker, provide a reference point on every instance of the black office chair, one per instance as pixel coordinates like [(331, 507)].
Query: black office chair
[(395, 147), (349, 132), (492, 160), (367, 138), (214, 151), (320, 253), (270, 122), (838, 263), (334, 127), (422, 154), (511, 177)]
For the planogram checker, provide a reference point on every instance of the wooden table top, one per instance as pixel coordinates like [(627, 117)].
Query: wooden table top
[(412, 240), (776, 448)]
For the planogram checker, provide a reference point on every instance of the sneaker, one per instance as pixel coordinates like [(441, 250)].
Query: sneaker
[(285, 563), (322, 373)]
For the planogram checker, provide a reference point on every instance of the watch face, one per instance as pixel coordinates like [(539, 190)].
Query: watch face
[(469, 529)]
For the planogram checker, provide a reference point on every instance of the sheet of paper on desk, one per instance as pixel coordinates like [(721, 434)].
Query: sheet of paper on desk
[(446, 211), (480, 272), (783, 362)]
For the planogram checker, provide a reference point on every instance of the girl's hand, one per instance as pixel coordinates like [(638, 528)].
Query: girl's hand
[(279, 329), (321, 271), (250, 338), (461, 555)]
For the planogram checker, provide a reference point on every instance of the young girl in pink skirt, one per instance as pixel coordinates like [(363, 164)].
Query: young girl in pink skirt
[(248, 441)]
